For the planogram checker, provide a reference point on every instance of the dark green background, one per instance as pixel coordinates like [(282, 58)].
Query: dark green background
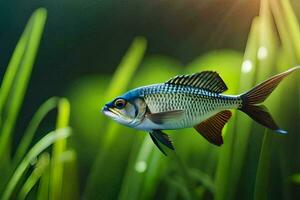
[(87, 37)]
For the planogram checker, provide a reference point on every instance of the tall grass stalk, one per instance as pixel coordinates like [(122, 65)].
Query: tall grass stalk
[(137, 168), (284, 35), (263, 169), (262, 174), (40, 167), (33, 153), (147, 165), (292, 25), (13, 90), (118, 85), (232, 154), (16, 79), (265, 69), (59, 147), (32, 128), (70, 177), (43, 187)]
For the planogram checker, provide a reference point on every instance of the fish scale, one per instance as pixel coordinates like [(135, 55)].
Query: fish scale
[(197, 104)]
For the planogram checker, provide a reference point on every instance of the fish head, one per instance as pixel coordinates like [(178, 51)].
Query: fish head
[(127, 111)]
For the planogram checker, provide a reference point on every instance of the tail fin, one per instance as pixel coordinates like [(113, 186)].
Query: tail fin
[(257, 95)]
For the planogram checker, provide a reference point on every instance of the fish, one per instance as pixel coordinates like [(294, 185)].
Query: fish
[(194, 100)]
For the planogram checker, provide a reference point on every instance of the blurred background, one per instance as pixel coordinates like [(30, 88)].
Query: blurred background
[(89, 46), (90, 37)]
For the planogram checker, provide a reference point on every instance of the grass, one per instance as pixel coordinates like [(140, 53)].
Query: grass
[(41, 165), (16, 79), (40, 114), (16, 181), (14, 84), (108, 161), (118, 85), (59, 147), (234, 140), (47, 140)]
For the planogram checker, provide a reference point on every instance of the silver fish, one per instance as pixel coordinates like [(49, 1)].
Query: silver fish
[(191, 101)]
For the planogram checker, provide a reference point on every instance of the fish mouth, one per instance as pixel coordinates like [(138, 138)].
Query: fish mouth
[(110, 112), (105, 109), (115, 115)]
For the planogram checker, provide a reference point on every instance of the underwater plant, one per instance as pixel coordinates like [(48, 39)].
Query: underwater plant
[(104, 160), (30, 165)]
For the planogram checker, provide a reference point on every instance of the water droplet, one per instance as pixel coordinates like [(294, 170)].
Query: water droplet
[(141, 166), (247, 66), (262, 53)]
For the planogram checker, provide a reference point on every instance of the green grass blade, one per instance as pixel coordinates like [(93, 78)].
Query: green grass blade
[(265, 69), (268, 45), (22, 65), (40, 167), (229, 169), (136, 170), (40, 146), (262, 174), (59, 147), (288, 29), (43, 188), (9, 76), (283, 31), (292, 25), (146, 164), (12, 68), (128, 66), (32, 127), (70, 181), (120, 81)]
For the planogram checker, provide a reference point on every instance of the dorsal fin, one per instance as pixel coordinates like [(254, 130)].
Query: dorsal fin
[(207, 80), (211, 128)]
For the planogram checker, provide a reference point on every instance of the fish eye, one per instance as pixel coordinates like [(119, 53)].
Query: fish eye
[(120, 103)]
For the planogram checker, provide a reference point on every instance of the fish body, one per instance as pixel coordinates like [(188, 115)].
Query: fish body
[(194, 100), (196, 104)]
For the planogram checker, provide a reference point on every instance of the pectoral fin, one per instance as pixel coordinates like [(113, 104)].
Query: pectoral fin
[(162, 117), (157, 135), (211, 129)]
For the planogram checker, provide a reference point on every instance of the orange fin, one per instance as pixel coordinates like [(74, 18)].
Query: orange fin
[(211, 129)]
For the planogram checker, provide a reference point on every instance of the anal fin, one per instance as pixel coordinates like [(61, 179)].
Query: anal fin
[(211, 129)]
